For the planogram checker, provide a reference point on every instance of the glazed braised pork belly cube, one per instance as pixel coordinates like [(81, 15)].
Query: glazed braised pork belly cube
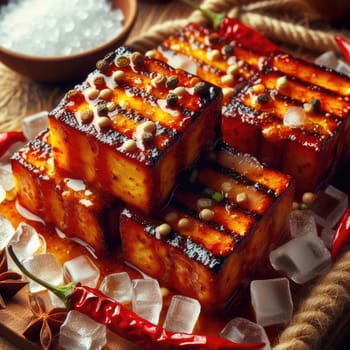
[(77, 210), (216, 230), (216, 59), (133, 126), (295, 117)]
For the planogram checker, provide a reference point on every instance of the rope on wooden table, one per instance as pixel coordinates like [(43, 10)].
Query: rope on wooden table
[(258, 15), (320, 310)]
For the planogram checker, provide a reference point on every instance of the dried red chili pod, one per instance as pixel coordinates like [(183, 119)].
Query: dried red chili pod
[(126, 323), (344, 45), (232, 29), (7, 139), (342, 234)]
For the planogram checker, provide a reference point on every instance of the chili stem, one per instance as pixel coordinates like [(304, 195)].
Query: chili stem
[(216, 18), (63, 292)]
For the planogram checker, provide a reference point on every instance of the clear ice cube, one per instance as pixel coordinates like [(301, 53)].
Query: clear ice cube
[(329, 206), (82, 269), (6, 232), (327, 59), (272, 301), (301, 222), (2, 194), (117, 286), (45, 266), (147, 299), (81, 332), (243, 331), (302, 258), (343, 67), (33, 124), (182, 314), (6, 178)]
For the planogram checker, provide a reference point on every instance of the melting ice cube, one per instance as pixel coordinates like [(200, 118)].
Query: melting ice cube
[(35, 123), (147, 299), (301, 222), (302, 258), (329, 206), (272, 301), (82, 269), (81, 332), (294, 117), (6, 231), (45, 266), (6, 178), (242, 331), (117, 286), (182, 314)]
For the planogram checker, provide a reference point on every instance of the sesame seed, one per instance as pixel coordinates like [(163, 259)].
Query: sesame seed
[(122, 61), (206, 214), (171, 217), (241, 197), (105, 94), (179, 91), (227, 79), (150, 54), (226, 186), (86, 115), (232, 69), (93, 93), (281, 83), (204, 203), (148, 126), (213, 54), (137, 58), (118, 75), (158, 80), (308, 198), (308, 107), (111, 106), (183, 223), (129, 146), (103, 122), (227, 92), (163, 229)]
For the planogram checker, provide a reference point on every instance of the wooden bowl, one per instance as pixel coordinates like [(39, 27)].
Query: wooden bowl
[(70, 68)]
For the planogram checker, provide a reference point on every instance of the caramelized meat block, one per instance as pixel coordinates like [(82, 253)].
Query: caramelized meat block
[(294, 116), (216, 230), (202, 51), (77, 210), (133, 126)]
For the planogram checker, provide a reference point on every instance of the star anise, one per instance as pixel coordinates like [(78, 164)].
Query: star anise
[(45, 325), (10, 282)]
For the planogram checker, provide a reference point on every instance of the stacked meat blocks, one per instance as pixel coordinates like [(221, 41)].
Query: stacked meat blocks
[(166, 160)]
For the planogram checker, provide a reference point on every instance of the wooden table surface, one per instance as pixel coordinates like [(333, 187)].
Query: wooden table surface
[(150, 13)]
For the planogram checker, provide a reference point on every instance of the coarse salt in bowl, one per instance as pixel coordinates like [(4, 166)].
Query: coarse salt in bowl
[(73, 41)]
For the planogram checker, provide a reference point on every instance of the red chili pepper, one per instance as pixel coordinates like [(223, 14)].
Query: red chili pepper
[(232, 29), (344, 45), (7, 139), (342, 234), (124, 322)]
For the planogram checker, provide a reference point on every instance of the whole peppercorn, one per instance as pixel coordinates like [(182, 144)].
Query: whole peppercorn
[(201, 89), (263, 99), (172, 99), (102, 109), (171, 81), (316, 105)]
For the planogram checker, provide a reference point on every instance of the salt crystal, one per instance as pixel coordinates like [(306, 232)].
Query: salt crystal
[(147, 299), (243, 331), (302, 258), (81, 332), (272, 301), (182, 314)]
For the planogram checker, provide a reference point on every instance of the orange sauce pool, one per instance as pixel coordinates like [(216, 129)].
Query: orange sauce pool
[(65, 249)]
